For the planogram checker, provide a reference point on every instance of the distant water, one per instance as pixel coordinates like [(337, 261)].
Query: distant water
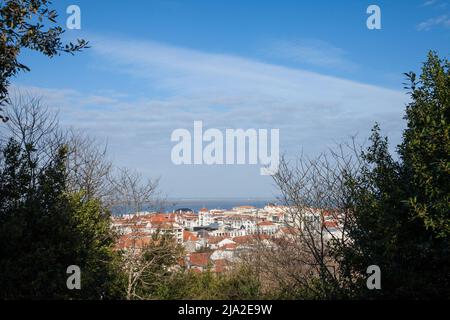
[(196, 204)]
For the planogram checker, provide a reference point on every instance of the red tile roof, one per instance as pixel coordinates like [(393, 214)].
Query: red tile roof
[(132, 241), (163, 225), (200, 259), (330, 224), (265, 223), (189, 236), (215, 240), (160, 217), (249, 238), (220, 265)]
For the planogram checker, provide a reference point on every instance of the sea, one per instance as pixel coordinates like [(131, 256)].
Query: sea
[(170, 205), (197, 204)]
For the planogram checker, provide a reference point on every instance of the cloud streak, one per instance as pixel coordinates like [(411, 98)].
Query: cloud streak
[(194, 80), (311, 110), (312, 52), (428, 3), (440, 21)]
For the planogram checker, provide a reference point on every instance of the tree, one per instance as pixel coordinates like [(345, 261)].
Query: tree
[(44, 226), (394, 212), (32, 123), (148, 266), (145, 263), (131, 192), (240, 283), (34, 227), (100, 263), (425, 150), (378, 218), (88, 166), (400, 208), (22, 25), (300, 263)]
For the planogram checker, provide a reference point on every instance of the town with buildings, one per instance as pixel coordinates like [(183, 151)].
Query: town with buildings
[(213, 239)]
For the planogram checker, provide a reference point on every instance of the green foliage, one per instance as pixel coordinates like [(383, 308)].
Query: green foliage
[(33, 228), (99, 262), (22, 25), (425, 150), (43, 231), (239, 284), (153, 266), (400, 209)]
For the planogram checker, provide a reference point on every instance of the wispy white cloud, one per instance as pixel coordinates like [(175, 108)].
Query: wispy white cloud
[(436, 4), (195, 80), (311, 110), (312, 52), (429, 3), (440, 21)]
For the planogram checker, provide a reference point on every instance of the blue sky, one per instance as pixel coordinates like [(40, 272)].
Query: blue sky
[(309, 68)]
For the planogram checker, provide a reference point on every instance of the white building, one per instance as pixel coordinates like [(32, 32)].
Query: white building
[(205, 218)]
